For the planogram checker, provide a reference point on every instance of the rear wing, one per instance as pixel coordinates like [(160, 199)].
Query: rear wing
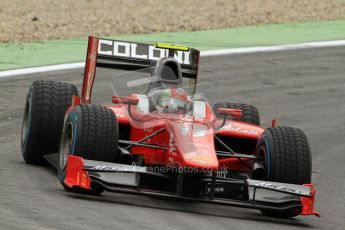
[(107, 53)]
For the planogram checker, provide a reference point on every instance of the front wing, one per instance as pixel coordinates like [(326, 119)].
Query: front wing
[(121, 178)]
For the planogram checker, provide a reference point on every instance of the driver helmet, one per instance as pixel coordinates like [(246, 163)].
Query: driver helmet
[(173, 100)]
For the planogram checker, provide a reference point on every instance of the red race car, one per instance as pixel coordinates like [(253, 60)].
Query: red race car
[(160, 138)]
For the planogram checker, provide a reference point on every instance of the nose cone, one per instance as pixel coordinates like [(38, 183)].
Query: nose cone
[(195, 143)]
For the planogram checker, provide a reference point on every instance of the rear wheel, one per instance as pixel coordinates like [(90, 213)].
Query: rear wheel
[(45, 107), (91, 132), (250, 112), (285, 157)]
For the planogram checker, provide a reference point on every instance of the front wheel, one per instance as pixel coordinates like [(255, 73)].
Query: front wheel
[(286, 158), (91, 132)]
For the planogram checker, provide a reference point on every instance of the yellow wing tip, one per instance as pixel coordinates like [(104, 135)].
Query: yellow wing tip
[(171, 46)]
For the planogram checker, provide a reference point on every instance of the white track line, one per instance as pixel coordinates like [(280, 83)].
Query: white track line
[(273, 48), (41, 69)]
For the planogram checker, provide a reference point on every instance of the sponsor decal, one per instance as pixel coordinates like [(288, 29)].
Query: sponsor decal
[(280, 188), (217, 189), (138, 50), (172, 145), (116, 168), (106, 168), (220, 173), (230, 128)]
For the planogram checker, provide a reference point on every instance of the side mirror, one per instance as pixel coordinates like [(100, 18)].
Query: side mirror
[(230, 112), (125, 100)]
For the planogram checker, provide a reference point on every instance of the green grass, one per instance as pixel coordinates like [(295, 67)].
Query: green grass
[(19, 55)]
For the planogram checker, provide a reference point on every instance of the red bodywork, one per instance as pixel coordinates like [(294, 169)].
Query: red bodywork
[(187, 142), (183, 149)]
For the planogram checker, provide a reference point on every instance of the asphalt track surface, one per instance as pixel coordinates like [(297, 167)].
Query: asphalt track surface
[(301, 88)]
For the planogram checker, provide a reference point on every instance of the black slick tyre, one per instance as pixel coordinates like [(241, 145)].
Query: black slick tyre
[(91, 132), (286, 157), (45, 107)]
